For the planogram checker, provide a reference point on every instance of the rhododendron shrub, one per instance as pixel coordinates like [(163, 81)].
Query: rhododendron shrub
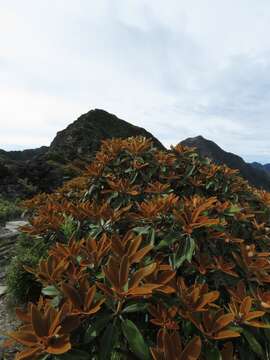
[(156, 255)]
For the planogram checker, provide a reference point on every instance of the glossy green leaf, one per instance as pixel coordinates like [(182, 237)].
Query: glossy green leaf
[(213, 354), (134, 308), (142, 230), (184, 252), (107, 342), (74, 355), (135, 340), (96, 327), (168, 240), (254, 344), (50, 290)]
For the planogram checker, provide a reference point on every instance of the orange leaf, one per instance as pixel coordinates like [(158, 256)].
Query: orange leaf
[(253, 315), (90, 297), (124, 271), (134, 245), (39, 325), (192, 350), (225, 334), (227, 351), (105, 289), (139, 255), (28, 354), (246, 305), (257, 324), (26, 338), (72, 294), (70, 323), (143, 290), (59, 345), (140, 274), (222, 322), (23, 316)]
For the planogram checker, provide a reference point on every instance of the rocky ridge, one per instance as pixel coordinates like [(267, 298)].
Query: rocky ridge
[(256, 176), (25, 173)]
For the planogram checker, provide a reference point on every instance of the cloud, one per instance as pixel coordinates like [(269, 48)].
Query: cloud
[(178, 69)]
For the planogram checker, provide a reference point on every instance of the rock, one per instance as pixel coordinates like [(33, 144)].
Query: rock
[(8, 320), (14, 226), (3, 290)]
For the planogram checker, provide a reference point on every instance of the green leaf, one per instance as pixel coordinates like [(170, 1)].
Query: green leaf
[(96, 327), (184, 252), (267, 333), (106, 342), (92, 188), (209, 184), (236, 328), (55, 302), (135, 340), (135, 308), (45, 357), (254, 344), (142, 230), (188, 328), (114, 195), (232, 210), (74, 355), (213, 354), (50, 290), (134, 178), (190, 172), (168, 240), (152, 236)]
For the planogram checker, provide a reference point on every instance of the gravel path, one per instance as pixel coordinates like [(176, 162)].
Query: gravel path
[(8, 322)]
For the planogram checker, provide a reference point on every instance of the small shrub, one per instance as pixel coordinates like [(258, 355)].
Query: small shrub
[(9, 210), (22, 285), (27, 188)]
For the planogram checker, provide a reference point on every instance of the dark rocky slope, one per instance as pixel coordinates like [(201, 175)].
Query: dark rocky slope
[(265, 167), (24, 173), (256, 176)]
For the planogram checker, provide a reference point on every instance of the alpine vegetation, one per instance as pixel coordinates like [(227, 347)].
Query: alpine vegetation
[(154, 254)]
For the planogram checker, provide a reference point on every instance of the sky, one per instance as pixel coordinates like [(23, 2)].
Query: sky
[(179, 68)]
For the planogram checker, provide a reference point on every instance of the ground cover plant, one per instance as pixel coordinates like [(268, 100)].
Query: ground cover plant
[(155, 255), (22, 285), (8, 210)]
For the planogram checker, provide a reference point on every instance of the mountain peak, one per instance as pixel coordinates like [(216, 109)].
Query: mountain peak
[(24, 173), (84, 135), (254, 174)]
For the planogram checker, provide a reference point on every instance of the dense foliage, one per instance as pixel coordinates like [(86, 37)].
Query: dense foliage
[(156, 254)]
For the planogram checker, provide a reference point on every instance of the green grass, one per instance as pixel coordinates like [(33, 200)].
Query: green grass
[(8, 210)]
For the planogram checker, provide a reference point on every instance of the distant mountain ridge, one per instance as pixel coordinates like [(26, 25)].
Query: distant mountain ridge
[(22, 155), (25, 173), (265, 167), (256, 175)]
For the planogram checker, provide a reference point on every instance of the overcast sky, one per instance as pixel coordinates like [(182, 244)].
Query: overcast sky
[(178, 68)]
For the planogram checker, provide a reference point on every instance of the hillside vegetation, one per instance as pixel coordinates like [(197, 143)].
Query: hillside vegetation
[(154, 254)]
